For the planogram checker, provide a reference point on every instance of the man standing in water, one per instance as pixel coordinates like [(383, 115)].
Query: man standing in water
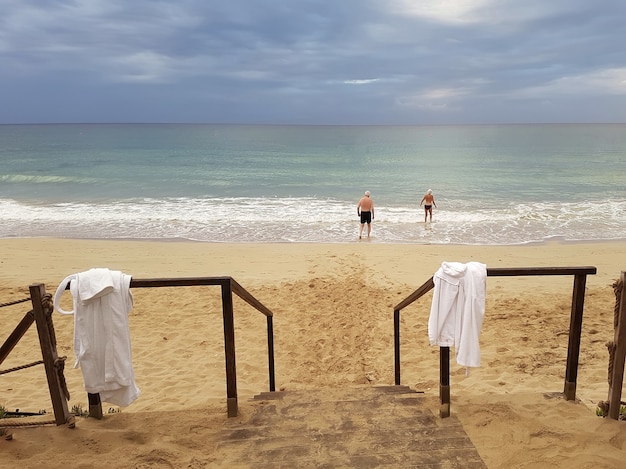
[(428, 200), (365, 209)]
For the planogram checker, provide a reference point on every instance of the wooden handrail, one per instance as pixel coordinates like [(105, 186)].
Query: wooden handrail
[(228, 286), (248, 298), (573, 349)]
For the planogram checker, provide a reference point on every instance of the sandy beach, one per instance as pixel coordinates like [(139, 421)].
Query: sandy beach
[(333, 326)]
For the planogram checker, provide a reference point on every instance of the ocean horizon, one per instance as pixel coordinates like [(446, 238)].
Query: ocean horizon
[(493, 184)]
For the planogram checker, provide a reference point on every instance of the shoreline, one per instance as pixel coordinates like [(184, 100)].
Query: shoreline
[(46, 259), (547, 241)]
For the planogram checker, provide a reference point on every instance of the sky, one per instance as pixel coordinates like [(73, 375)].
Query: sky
[(356, 62)]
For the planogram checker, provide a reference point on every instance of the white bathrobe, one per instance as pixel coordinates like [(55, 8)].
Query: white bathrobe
[(458, 309), (102, 302)]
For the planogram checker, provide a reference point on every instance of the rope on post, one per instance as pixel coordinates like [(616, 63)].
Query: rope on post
[(47, 304), (611, 345), (10, 303), (47, 307), (26, 424), (21, 367), (59, 364), (617, 288), (611, 348), (4, 426)]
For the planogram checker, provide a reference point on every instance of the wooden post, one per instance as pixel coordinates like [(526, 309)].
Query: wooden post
[(575, 330), (270, 352), (95, 405), (49, 353), (444, 382), (229, 349), (16, 335), (617, 376), (396, 343)]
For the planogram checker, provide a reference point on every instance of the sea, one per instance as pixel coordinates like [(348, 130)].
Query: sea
[(493, 184)]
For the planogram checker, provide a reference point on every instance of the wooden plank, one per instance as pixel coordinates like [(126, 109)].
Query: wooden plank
[(421, 291), (49, 354), (270, 352), (229, 351), (396, 345), (176, 282), (575, 331), (619, 358), (444, 382), (248, 298), (16, 335), (534, 271), (353, 427), (95, 405)]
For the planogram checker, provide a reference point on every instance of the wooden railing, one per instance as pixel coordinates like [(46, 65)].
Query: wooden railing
[(575, 329), (228, 286), (41, 314)]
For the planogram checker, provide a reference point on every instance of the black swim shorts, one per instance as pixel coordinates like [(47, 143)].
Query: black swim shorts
[(366, 217)]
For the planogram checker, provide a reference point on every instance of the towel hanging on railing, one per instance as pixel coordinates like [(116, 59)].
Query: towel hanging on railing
[(458, 309), (102, 301)]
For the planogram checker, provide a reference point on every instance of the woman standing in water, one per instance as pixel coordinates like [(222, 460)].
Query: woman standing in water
[(428, 201)]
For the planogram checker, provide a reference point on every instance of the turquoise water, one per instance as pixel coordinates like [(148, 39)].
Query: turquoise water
[(504, 184)]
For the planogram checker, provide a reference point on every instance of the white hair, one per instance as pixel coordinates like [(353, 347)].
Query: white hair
[(430, 191), (367, 193)]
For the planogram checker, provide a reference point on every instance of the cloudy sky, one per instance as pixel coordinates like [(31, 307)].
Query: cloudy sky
[(313, 61)]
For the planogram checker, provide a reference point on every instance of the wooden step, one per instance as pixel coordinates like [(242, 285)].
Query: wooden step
[(360, 427)]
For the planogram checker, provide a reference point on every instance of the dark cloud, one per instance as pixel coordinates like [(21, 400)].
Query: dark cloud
[(349, 61)]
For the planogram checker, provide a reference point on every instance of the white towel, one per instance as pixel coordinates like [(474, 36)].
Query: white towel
[(94, 284), (458, 309), (102, 302)]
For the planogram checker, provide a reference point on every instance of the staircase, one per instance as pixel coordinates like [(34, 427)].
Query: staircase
[(361, 427)]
